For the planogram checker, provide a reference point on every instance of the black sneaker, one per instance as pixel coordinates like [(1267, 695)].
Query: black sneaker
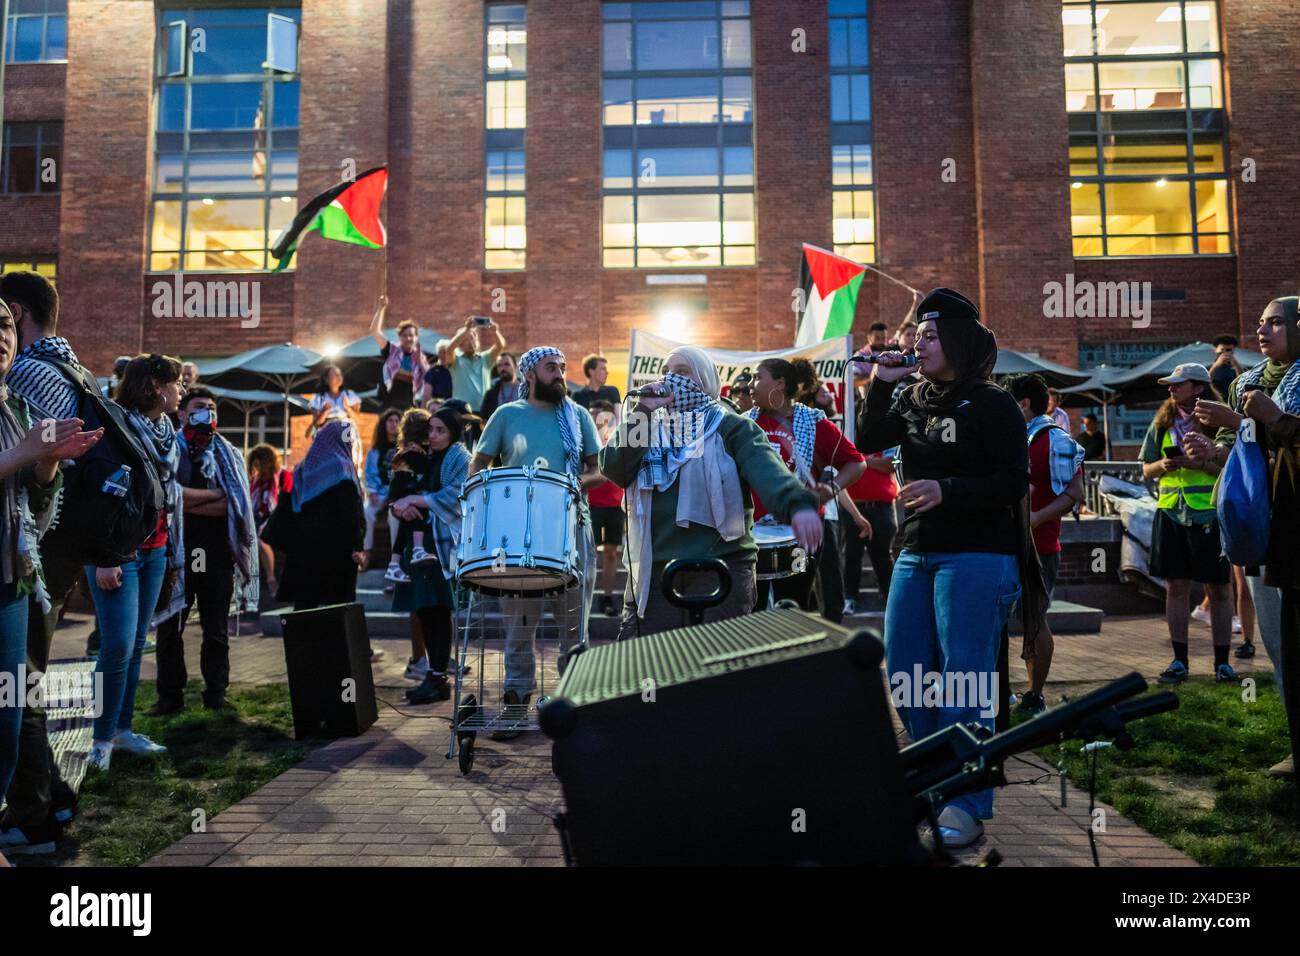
[(433, 689), (1031, 703), (607, 606), (32, 841), (165, 708), (1245, 651), (63, 802)]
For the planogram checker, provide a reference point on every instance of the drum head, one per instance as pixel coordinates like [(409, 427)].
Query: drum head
[(773, 535)]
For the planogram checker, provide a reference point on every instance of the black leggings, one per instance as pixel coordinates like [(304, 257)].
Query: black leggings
[(435, 622), (884, 524)]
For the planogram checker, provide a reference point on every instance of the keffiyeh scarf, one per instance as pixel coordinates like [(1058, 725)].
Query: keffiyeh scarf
[(329, 461), (805, 438), (566, 413), (217, 460), (1287, 394), (393, 365), (160, 441)]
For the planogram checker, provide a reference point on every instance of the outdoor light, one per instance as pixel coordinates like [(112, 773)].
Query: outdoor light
[(207, 201), (1076, 185), (1162, 181), (331, 349), (286, 199), (673, 322)]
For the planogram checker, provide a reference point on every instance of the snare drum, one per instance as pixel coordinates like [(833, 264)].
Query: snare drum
[(518, 532), (779, 554)]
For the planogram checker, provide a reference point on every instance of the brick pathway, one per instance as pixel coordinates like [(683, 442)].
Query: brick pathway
[(390, 797)]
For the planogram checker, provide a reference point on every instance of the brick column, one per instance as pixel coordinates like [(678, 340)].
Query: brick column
[(1022, 173), (105, 193), (1262, 49), (435, 136), (344, 102), (564, 180), (792, 155), (921, 108)]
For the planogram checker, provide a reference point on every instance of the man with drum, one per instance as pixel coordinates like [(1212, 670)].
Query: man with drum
[(545, 429), (688, 464)]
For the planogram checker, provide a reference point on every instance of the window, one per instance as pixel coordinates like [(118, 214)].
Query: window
[(32, 155), (37, 31), (1148, 133), (505, 231), (225, 177), (678, 158), (854, 198), (45, 267)]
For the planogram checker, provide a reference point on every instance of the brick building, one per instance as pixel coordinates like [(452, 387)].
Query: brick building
[(552, 161)]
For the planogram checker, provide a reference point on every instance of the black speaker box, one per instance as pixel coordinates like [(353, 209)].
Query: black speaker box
[(323, 648), (763, 739)]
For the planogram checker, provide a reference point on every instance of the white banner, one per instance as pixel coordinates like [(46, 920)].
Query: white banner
[(830, 358)]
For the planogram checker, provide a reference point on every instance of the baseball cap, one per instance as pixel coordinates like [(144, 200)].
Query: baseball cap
[(1187, 372)]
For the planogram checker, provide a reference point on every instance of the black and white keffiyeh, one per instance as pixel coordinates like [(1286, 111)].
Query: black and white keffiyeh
[(678, 430), (566, 413)]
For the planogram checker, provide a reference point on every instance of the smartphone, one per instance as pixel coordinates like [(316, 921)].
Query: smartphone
[(1173, 451), (482, 320)]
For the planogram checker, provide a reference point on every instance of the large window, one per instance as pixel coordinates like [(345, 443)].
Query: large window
[(505, 230), (679, 113), (853, 198), (33, 153), (225, 178), (37, 31), (1148, 154)]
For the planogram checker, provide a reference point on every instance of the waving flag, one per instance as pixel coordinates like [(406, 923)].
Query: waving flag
[(348, 212), (830, 286)]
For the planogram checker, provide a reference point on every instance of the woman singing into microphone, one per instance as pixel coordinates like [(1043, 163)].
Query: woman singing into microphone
[(966, 533)]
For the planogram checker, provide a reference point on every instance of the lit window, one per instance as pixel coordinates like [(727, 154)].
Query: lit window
[(37, 31), (225, 176), (853, 202), (1148, 154), (505, 230), (678, 163), (45, 267)]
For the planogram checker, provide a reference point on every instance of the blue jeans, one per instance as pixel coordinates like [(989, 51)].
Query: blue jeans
[(13, 654), (124, 615), (945, 615)]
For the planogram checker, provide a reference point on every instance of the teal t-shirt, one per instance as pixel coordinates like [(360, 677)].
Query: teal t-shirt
[(470, 378), (521, 434)]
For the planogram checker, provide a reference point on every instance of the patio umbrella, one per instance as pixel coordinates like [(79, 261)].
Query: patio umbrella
[(255, 400), (1011, 362), (285, 368), (1095, 391), (1141, 384), (361, 362)]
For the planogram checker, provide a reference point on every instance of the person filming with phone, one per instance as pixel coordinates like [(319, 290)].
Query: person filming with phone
[(470, 361)]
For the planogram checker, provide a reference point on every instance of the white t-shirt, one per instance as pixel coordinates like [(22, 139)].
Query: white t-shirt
[(336, 406)]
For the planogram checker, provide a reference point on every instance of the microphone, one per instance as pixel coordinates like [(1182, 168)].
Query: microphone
[(649, 390), (871, 358)]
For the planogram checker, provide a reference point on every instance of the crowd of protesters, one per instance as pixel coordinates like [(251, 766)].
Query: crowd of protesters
[(955, 491)]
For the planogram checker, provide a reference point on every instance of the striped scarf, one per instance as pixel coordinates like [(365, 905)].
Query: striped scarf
[(805, 438), (566, 413), (679, 430), (1287, 394)]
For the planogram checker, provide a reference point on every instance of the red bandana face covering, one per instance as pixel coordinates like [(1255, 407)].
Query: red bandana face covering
[(198, 431)]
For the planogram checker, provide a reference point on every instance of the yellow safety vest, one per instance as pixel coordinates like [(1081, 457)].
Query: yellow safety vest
[(1194, 486)]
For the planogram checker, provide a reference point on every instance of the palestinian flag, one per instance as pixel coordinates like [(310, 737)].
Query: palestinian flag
[(348, 212), (830, 286)]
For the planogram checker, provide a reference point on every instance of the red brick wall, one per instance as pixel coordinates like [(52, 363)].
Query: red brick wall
[(1208, 309), (921, 108), (1263, 47), (29, 226), (342, 61), (792, 159), (435, 149), (1021, 172), (34, 91), (106, 177), (215, 335), (564, 176)]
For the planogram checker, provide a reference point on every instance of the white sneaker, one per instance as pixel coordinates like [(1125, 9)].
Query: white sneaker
[(1202, 615), (1236, 624), (850, 607), (416, 670), (957, 828), (134, 743), (101, 755), (420, 557)]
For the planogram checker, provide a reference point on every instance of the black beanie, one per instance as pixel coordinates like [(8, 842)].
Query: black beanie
[(942, 304)]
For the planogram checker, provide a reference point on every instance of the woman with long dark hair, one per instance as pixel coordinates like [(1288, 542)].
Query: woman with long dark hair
[(332, 402), (267, 481), (29, 481), (379, 473), (126, 597), (808, 443), (437, 508), (966, 540)]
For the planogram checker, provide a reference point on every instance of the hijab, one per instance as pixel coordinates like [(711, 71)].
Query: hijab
[(970, 347), (330, 460), (1279, 379)]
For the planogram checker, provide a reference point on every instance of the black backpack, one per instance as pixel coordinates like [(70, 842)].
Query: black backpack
[(97, 524)]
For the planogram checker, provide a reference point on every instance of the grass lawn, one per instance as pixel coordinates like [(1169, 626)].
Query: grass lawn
[(1197, 777), (143, 805)]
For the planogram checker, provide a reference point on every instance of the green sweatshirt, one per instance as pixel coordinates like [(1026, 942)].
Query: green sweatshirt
[(759, 468)]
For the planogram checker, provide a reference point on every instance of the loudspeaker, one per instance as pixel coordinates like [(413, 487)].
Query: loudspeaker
[(762, 739), (325, 648)]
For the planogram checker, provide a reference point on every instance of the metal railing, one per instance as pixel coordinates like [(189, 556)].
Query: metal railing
[(1092, 473)]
